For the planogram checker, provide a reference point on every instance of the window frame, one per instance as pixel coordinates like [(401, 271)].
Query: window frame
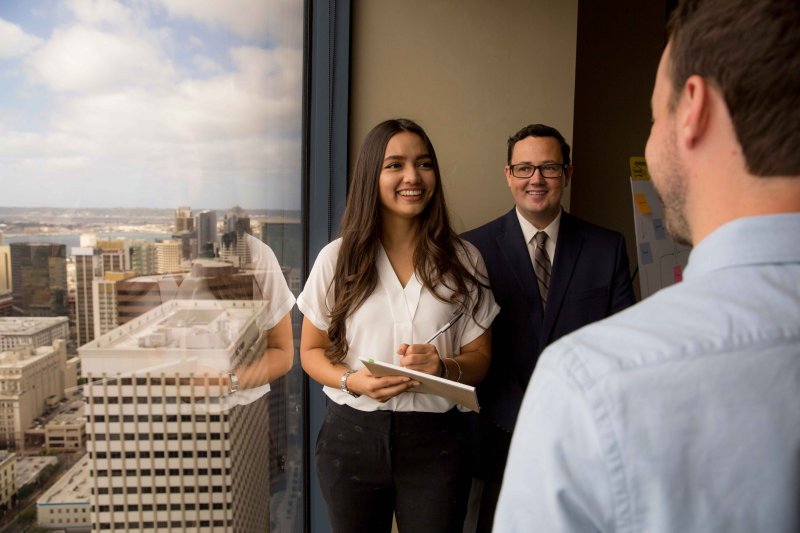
[(325, 166)]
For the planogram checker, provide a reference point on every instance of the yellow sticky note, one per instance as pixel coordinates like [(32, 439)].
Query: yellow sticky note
[(639, 169), (641, 203)]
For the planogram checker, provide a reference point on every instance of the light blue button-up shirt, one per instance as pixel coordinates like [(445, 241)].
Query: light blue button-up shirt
[(680, 414)]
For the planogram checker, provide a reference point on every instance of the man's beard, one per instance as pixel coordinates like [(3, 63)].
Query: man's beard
[(673, 194)]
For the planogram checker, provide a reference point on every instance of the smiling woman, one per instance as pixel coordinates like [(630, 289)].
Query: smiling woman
[(160, 143), (397, 273), (407, 179)]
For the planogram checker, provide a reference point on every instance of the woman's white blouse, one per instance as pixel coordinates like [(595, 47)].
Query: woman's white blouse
[(390, 316), (270, 287)]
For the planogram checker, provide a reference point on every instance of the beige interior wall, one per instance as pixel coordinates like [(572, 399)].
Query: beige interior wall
[(472, 73)]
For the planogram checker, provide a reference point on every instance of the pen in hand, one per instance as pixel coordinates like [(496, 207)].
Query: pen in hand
[(447, 326)]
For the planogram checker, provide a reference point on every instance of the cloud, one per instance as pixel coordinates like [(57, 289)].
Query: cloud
[(98, 12), (85, 59), (14, 42), (247, 18), (135, 116), (206, 64)]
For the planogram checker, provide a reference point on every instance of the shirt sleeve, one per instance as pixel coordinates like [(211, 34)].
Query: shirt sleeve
[(270, 284), (316, 300), (556, 476)]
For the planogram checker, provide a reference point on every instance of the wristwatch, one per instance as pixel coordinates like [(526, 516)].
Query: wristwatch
[(343, 384), (234, 381)]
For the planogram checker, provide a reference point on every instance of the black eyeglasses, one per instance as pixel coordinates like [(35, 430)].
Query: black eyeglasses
[(548, 170)]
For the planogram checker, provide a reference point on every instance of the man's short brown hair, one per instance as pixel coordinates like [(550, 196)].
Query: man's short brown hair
[(750, 50)]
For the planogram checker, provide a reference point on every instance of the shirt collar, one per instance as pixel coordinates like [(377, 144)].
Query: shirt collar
[(747, 241), (529, 230)]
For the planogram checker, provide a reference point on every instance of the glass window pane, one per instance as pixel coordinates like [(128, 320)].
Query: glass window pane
[(151, 242)]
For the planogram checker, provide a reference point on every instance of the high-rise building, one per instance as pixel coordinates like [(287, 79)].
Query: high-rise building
[(87, 266), (5, 268), (166, 451), (32, 331), (39, 278), (114, 256), (6, 303), (207, 280), (6, 295), (168, 257), (206, 225), (104, 299), (185, 232), (184, 221), (285, 237), (31, 380), (8, 485), (144, 258), (234, 247)]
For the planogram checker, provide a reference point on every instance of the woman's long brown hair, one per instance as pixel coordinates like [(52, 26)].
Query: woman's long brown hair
[(437, 252)]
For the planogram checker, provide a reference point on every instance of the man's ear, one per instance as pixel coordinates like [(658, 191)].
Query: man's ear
[(568, 174), (694, 111)]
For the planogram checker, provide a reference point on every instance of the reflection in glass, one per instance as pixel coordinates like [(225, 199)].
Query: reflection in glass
[(118, 117)]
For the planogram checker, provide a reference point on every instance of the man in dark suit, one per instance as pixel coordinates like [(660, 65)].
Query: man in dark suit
[(578, 275)]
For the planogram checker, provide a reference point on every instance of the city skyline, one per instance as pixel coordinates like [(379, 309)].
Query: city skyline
[(154, 103)]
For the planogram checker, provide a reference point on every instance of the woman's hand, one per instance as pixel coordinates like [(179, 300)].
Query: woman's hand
[(420, 357), (378, 388)]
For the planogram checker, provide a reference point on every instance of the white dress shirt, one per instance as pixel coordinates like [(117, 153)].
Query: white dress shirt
[(390, 316), (680, 414), (529, 231)]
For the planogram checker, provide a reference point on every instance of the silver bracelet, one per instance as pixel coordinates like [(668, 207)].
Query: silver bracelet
[(343, 383), (444, 373), (234, 382), (460, 373)]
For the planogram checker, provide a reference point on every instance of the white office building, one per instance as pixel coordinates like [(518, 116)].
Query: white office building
[(65, 505), (104, 300), (31, 381), (166, 449), (168, 257), (8, 484), (32, 331)]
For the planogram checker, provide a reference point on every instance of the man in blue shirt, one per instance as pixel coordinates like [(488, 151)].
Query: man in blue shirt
[(682, 413)]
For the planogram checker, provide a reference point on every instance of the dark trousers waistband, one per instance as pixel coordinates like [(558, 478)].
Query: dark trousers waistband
[(391, 420)]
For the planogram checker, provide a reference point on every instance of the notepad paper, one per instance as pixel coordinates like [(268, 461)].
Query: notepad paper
[(455, 392)]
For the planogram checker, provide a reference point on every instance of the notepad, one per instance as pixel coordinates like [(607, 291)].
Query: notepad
[(455, 392)]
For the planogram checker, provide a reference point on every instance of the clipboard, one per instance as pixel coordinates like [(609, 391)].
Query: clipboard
[(459, 393)]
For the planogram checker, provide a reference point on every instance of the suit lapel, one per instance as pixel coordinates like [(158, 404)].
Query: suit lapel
[(568, 249), (514, 249)]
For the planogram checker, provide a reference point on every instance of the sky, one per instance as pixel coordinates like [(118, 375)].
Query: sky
[(151, 103)]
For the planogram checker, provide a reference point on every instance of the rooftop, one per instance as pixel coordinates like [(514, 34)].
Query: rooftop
[(28, 467), (176, 336), (22, 356), (28, 325), (73, 487), (73, 414)]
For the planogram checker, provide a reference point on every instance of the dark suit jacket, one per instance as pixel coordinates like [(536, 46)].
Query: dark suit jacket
[(590, 280)]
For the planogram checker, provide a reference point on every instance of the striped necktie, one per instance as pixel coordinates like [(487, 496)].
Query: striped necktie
[(541, 266)]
